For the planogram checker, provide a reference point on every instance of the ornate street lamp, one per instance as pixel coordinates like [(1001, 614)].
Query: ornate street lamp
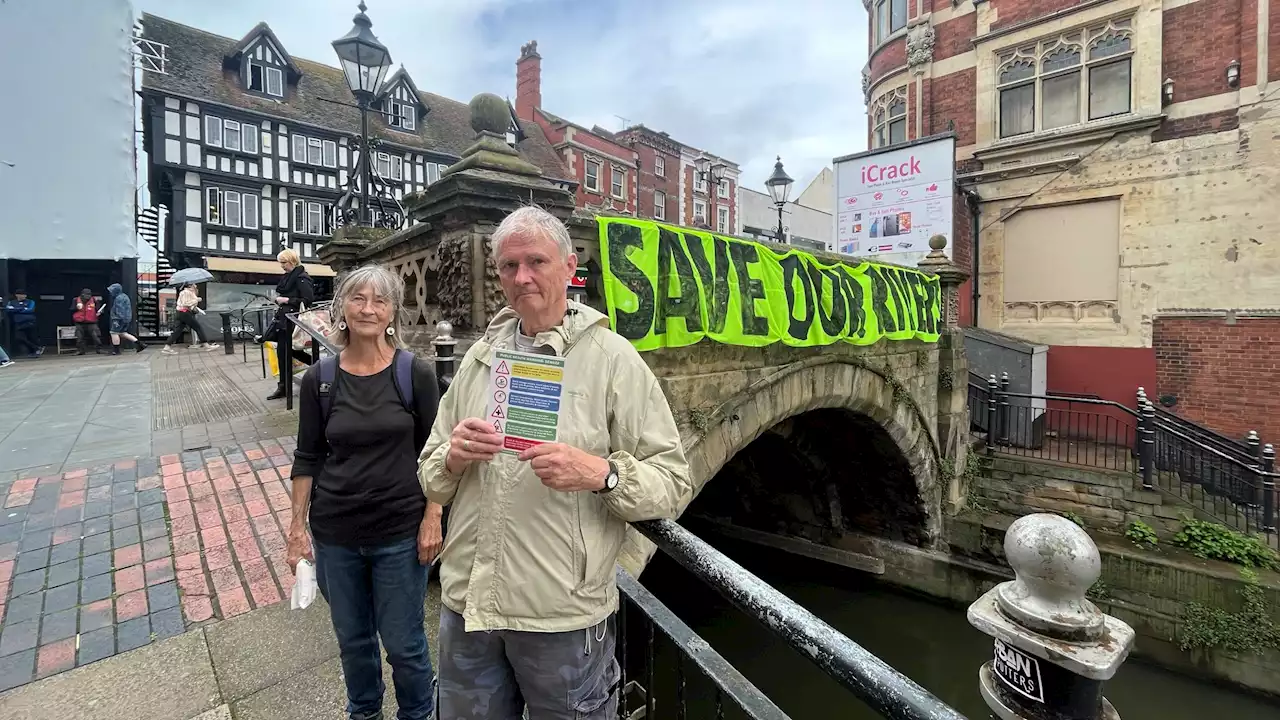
[(364, 62), (779, 184), (711, 173)]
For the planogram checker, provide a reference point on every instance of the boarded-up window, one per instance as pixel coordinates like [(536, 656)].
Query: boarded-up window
[(1066, 252)]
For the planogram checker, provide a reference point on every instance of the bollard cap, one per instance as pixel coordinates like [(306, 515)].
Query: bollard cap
[(444, 331), (1054, 564), (1044, 610)]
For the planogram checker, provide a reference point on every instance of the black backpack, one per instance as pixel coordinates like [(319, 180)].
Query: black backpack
[(403, 379)]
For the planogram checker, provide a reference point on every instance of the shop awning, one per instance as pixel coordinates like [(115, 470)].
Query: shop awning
[(262, 267)]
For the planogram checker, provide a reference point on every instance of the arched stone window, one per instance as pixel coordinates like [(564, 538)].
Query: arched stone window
[(889, 118), (1077, 77)]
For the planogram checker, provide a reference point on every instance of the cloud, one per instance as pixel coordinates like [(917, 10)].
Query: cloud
[(744, 79)]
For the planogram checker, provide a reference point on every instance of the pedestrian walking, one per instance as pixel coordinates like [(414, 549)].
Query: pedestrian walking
[(188, 304), (293, 292), (22, 314), (527, 570), (121, 318), (4, 359), (84, 313), (363, 417)]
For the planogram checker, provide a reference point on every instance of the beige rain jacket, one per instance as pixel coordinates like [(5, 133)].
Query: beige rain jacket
[(518, 555)]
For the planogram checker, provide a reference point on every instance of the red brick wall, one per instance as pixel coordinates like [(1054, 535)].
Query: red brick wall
[(528, 86), (1010, 12), (1197, 125), (888, 58), (953, 36), (1247, 11), (950, 98), (1224, 376), (558, 134), (649, 182), (1199, 40), (1273, 43)]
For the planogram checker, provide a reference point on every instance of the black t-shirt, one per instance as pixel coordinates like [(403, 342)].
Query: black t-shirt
[(364, 470)]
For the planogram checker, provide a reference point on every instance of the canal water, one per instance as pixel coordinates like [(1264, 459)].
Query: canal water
[(930, 642)]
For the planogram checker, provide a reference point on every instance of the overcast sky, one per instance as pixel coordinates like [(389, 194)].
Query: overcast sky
[(744, 79)]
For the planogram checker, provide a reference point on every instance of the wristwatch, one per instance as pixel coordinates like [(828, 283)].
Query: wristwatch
[(610, 480)]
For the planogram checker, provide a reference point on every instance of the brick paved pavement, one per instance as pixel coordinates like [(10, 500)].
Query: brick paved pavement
[(101, 557)]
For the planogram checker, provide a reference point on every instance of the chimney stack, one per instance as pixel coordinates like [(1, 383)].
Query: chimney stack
[(528, 81)]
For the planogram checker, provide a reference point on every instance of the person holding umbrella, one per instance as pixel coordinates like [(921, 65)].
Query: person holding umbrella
[(187, 306)]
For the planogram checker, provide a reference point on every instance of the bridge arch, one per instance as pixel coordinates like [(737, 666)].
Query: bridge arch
[(869, 398)]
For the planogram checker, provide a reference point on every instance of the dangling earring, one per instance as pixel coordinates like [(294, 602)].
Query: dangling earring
[(391, 331), (342, 325)]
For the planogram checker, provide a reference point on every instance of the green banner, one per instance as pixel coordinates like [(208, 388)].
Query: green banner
[(668, 286)]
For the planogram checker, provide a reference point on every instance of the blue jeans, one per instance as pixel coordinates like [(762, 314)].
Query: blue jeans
[(4, 357), (372, 591)]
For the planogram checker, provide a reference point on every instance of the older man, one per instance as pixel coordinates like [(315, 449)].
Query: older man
[(527, 574)]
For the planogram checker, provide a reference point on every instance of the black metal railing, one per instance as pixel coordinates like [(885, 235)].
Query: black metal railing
[(979, 396), (1240, 493), (1203, 435), (885, 690), (1063, 428), (1229, 480)]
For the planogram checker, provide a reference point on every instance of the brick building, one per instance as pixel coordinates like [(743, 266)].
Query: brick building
[(1119, 160), (639, 171)]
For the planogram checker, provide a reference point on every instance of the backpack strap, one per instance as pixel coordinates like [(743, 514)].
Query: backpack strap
[(328, 377), (403, 362)]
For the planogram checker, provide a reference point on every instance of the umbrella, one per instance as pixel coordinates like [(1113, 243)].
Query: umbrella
[(189, 276)]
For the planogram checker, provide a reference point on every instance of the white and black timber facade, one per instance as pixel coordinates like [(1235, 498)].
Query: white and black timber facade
[(249, 157)]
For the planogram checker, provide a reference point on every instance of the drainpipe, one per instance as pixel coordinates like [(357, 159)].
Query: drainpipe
[(975, 212)]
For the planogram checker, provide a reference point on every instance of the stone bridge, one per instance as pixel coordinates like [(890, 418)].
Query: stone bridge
[(819, 443)]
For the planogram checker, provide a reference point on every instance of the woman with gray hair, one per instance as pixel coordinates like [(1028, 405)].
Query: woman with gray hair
[(364, 416)]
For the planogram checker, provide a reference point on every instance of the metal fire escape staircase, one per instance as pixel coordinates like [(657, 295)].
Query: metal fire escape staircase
[(149, 292)]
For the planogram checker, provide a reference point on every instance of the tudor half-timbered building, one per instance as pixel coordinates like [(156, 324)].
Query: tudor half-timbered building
[(250, 154)]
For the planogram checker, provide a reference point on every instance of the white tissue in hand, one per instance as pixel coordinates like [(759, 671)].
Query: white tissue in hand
[(304, 585)]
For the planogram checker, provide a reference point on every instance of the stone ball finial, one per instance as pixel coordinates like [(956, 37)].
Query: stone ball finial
[(490, 113), (1054, 563), (938, 242), (444, 330)]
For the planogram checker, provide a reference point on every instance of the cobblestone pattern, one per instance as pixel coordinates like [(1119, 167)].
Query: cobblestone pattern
[(229, 510), (86, 569)]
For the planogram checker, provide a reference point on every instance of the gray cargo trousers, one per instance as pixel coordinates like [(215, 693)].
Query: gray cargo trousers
[(495, 675)]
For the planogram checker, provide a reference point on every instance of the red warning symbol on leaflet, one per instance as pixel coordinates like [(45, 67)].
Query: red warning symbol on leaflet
[(497, 426), (502, 368), (497, 412), (500, 382), (499, 396)]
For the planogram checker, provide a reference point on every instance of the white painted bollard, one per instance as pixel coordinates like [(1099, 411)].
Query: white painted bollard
[(1053, 647)]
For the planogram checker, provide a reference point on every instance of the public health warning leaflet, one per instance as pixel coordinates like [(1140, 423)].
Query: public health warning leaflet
[(525, 390)]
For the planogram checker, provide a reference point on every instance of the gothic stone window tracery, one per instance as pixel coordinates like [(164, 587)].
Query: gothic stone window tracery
[(889, 118), (1080, 76)]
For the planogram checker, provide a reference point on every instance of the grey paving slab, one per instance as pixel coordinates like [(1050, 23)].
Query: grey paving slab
[(133, 633), (254, 651), (313, 694), (172, 680), (16, 669)]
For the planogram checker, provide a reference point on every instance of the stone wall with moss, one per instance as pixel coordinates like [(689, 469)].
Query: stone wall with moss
[(1154, 590)]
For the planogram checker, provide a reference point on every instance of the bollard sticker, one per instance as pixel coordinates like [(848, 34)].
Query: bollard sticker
[(1019, 671)]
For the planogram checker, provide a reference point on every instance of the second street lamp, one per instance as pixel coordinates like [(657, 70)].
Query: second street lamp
[(364, 62), (779, 184)]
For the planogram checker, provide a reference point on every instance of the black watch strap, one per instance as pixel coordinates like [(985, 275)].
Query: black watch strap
[(610, 480)]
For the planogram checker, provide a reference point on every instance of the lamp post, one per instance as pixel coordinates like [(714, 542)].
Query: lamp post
[(779, 184), (711, 173), (364, 62)]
